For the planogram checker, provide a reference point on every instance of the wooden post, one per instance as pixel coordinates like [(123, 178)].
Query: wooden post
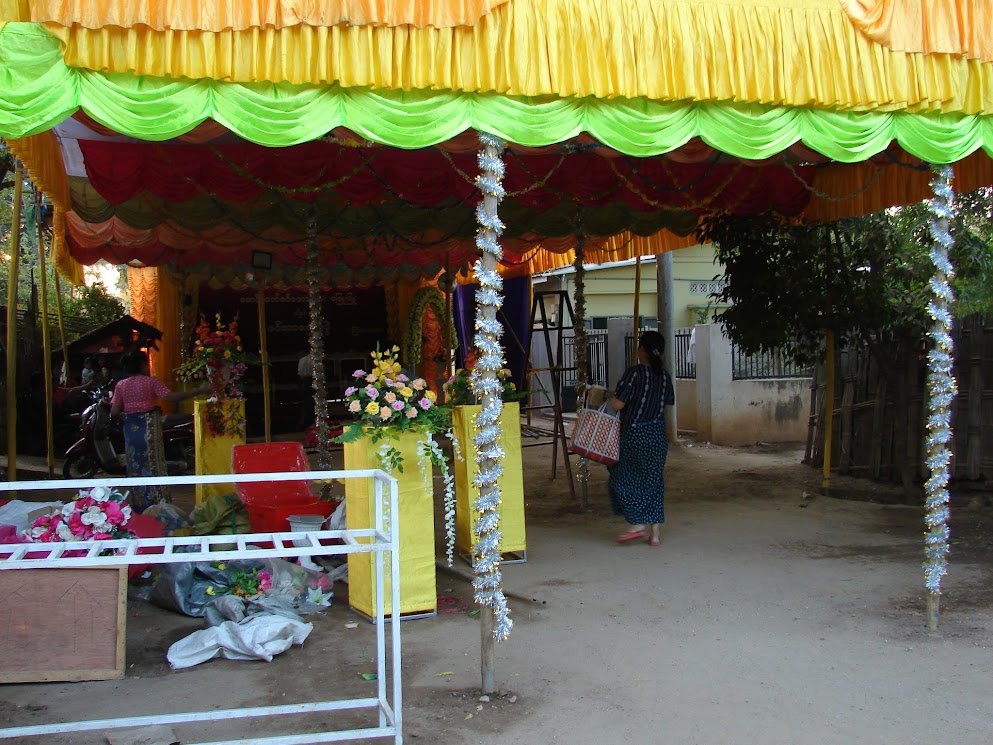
[(46, 342), (13, 271), (264, 354), (62, 328), (637, 307), (828, 407)]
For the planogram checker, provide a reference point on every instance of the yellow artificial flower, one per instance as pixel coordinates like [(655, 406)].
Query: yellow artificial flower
[(210, 589), (372, 408), (396, 367), (227, 354), (431, 396), (406, 391)]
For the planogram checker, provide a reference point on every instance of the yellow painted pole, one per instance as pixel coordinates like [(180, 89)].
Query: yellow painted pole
[(264, 351), (828, 406), (13, 271), (637, 305), (46, 340)]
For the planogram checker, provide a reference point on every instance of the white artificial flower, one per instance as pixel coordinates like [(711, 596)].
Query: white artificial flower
[(64, 533), (126, 511), (68, 510), (100, 493), (93, 516), (315, 596)]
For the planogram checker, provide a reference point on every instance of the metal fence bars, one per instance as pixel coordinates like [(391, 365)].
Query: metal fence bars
[(383, 537), (597, 357), (765, 365)]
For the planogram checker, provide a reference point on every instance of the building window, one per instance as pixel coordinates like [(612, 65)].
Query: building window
[(706, 287)]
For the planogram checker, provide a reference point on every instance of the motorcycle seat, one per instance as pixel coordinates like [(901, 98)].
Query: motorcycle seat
[(171, 421)]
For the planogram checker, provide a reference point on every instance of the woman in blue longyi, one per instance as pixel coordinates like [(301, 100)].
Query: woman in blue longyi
[(637, 485)]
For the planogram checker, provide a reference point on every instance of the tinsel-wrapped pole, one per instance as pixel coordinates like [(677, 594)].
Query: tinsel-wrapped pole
[(488, 582), (582, 355), (941, 393), (319, 381), (13, 272)]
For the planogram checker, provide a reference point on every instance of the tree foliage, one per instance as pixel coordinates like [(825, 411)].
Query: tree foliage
[(865, 278)]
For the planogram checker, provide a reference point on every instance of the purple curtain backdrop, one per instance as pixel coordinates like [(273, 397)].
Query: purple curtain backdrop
[(515, 317)]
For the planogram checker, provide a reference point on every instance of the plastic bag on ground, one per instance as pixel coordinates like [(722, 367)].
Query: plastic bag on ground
[(259, 637), (16, 512), (220, 514)]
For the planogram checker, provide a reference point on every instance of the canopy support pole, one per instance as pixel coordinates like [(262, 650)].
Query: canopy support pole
[(46, 340), (582, 348), (264, 354), (495, 622), (637, 308), (941, 393), (62, 328), (12, 277), (317, 347), (828, 408)]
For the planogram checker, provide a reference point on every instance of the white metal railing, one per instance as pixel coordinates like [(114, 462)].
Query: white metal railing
[(239, 546)]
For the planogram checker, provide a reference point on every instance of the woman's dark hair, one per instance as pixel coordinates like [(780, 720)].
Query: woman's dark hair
[(135, 362), (654, 345)]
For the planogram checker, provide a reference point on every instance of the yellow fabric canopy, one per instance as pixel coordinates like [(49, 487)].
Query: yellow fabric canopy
[(933, 26), (788, 52), (238, 15)]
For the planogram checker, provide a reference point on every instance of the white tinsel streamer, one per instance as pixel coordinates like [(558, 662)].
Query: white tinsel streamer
[(941, 386), (486, 552), (318, 380)]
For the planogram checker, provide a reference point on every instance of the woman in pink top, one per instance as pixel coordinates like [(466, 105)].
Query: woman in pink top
[(137, 398)]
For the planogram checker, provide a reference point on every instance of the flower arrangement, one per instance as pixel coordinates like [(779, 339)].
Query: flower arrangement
[(459, 388), (97, 514), (385, 399), (245, 582), (219, 358)]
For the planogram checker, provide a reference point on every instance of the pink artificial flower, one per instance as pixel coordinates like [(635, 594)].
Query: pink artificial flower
[(411, 413), (76, 525), (358, 374), (115, 515), (418, 384), (265, 581), (398, 405), (84, 502), (350, 391), (402, 378), (390, 397), (385, 412), (424, 403), (102, 536), (389, 382), (371, 392), (355, 406)]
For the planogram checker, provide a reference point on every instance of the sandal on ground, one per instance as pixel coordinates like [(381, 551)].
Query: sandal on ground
[(654, 541), (631, 535)]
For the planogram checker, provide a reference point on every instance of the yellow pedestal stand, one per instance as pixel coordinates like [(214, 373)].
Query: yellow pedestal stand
[(213, 452), (513, 543), (418, 585)]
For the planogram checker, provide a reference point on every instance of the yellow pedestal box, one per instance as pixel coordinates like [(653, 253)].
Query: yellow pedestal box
[(513, 543), (213, 452), (418, 585)]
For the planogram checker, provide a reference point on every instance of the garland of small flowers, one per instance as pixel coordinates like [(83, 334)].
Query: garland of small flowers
[(430, 452), (424, 298), (318, 379), (488, 582), (941, 393)]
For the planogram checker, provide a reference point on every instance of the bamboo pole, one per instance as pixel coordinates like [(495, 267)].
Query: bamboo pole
[(13, 271), (264, 353), (449, 323), (46, 341), (637, 305), (828, 407)]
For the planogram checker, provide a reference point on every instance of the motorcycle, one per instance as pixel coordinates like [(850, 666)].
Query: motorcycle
[(101, 446)]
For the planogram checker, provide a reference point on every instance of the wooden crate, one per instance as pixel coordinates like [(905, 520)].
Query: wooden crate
[(62, 624)]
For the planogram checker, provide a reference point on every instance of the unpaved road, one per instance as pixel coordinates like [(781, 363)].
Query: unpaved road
[(768, 615)]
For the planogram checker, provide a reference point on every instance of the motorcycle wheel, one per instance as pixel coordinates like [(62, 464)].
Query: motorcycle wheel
[(81, 466)]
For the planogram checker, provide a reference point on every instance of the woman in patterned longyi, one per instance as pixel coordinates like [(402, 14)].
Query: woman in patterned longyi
[(637, 485)]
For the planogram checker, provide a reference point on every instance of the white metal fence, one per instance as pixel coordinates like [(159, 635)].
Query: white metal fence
[(383, 538)]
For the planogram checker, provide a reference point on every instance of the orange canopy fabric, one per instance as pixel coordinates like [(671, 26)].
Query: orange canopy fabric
[(931, 26), (239, 15)]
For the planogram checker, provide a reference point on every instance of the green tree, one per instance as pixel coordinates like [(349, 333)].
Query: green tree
[(865, 278)]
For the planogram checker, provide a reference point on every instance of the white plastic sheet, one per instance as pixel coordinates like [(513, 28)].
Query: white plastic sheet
[(259, 637)]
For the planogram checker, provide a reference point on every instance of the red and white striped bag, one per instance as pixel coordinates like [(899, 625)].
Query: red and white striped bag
[(597, 435)]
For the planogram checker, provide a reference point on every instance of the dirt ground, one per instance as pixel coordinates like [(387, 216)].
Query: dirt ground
[(769, 614)]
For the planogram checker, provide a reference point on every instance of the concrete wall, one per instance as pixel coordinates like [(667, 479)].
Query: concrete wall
[(738, 412)]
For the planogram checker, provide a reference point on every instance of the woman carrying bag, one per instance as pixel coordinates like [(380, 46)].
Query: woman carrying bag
[(637, 485)]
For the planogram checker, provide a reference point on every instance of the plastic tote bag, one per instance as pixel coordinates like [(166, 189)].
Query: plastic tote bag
[(597, 435)]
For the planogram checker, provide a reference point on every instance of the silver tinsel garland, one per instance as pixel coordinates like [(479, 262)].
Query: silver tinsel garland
[(941, 386), (486, 553)]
